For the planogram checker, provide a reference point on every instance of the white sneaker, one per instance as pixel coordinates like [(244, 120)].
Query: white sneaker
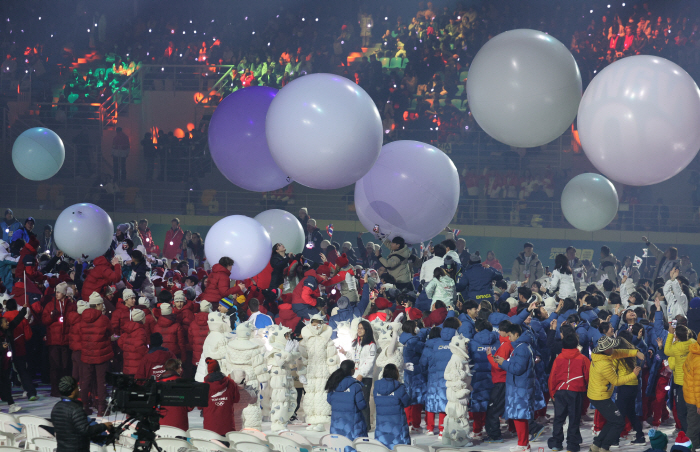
[(482, 434), (520, 448), (319, 428), (440, 437), (310, 427), (14, 408), (430, 432)]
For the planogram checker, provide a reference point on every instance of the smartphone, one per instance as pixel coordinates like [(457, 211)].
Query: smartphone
[(364, 272), (674, 323), (374, 293)]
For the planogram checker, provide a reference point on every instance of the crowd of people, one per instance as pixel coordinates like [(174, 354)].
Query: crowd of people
[(356, 338)]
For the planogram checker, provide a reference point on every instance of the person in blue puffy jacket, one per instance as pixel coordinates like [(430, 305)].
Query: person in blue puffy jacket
[(520, 384), (347, 310), (501, 313), (484, 340), (435, 357), (391, 399), (470, 308), (347, 402), (477, 280), (414, 379)]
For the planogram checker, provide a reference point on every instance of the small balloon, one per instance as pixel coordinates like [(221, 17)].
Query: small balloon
[(589, 202), (412, 191), (283, 228), (38, 153), (638, 120), (324, 131), (242, 239), (524, 88), (237, 141), (83, 231)]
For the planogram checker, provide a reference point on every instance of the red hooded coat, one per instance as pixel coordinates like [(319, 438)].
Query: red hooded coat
[(173, 334), (197, 334), (96, 333), (218, 414), (219, 285), (134, 343), (55, 319), (102, 275)]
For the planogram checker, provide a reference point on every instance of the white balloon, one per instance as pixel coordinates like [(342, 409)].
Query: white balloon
[(638, 120), (283, 228), (589, 202), (323, 131), (524, 88), (242, 239), (83, 231), (412, 191), (38, 153)]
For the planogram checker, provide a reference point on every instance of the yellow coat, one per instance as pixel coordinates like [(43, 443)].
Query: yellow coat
[(603, 375), (691, 378), (679, 352)]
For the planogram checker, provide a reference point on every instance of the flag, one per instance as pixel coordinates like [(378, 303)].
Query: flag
[(637, 262), (329, 230), (421, 249), (456, 232)]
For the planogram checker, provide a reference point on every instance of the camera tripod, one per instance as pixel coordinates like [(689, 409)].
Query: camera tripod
[(145, 433)]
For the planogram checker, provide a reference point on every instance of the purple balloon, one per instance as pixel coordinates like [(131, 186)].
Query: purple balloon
[(238, 144)]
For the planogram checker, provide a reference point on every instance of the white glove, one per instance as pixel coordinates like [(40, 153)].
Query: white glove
[(408, 366), (303, 380), (464, 401), (292, 346)]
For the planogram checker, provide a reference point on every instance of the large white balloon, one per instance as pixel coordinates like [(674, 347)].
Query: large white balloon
[(283, 228), (83, 231), (638, 120), (412, 191), (38, 153), (524, 88), (589, 202), (324, 131), (242, 239)]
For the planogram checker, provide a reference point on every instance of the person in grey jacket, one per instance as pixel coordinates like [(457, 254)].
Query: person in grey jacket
[(527, 265), (72, 429), (397, 263)]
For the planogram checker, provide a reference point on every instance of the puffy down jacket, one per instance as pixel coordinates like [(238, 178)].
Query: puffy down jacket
[(153, 364), (74, 339), (415, 380), (172, 332), (219, 285), (134, 345), (390, 398), (520, 380), (347, 403), (184, 317), (481, 368), (55, 319), (103, 274), (434, 359), (197, 334), (95, 331)]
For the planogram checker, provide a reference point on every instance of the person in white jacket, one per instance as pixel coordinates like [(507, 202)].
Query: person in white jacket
[(426, 270), (364, 354), (676, 298), (320, 359), (458, 381), (562, 279), (280, 361), (441, 287)]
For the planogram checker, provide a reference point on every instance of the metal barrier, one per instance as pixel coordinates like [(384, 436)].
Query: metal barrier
[(181, 77)]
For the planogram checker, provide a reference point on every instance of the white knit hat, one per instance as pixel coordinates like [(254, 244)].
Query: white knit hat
[(95, 299), (143, 301), (82, 306), (62, 287), (166, 309), (128, 294), (138, 315), (180, 296), (205, 306)]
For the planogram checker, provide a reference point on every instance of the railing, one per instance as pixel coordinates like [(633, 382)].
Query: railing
[(488, 212), (181, 77), (120, 100)]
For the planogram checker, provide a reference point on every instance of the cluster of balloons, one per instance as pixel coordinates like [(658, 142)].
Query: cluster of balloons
[(84, 231), (38, 153), (248, 241)]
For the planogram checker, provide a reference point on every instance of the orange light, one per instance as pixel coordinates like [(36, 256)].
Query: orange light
[(179, 133), (154, 134), (190, 127), (198, 97)]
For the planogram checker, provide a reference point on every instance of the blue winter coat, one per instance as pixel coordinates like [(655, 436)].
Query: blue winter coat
[(8, 229), (347, 403), (481, 368), (590, 315), (520, 380), (496, 318), (467, 329), (584, 340), (436, 355), (20, 233), (7, 272), (390, 399), (561, 318), (476, 282), (415, 381), (353, 310)]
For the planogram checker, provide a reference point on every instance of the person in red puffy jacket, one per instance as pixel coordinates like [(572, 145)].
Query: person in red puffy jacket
[(101, 275), (219, 282), (18, 346), (55, 319), (123, 312), (198, 331), (174, 416), (96, 336), (133, 342), (173, 240), (153, 364), (223, 394), (144, 233), (172, 332), (74, 340), (437, 315), (307, 291), (287, 317), (183, 310)]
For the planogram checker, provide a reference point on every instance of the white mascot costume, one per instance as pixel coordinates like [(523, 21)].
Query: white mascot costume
[(214, 346), (391, 348), (247, 353), (280, 361), (458, 380), (320, 359)]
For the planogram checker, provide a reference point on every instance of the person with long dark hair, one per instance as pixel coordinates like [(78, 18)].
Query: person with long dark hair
[(364, 353), (391, 400), (347, 401), (279, 261), (562, 278)]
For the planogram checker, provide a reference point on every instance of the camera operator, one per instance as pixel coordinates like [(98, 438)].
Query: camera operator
[(72, 428)]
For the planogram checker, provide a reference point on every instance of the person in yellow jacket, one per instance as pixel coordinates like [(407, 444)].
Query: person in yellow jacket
[(678, 342), (603, 378), (691, 391)]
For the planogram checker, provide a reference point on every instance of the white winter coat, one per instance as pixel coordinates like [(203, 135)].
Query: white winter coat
[(426, 270), (565, 284), (441, 289), (320, 359), (676, 301), (364, 357)]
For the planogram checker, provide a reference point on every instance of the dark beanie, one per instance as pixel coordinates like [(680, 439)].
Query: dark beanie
[(156, 340)]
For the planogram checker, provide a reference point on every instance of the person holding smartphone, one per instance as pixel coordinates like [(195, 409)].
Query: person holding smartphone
[(678, 342)]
